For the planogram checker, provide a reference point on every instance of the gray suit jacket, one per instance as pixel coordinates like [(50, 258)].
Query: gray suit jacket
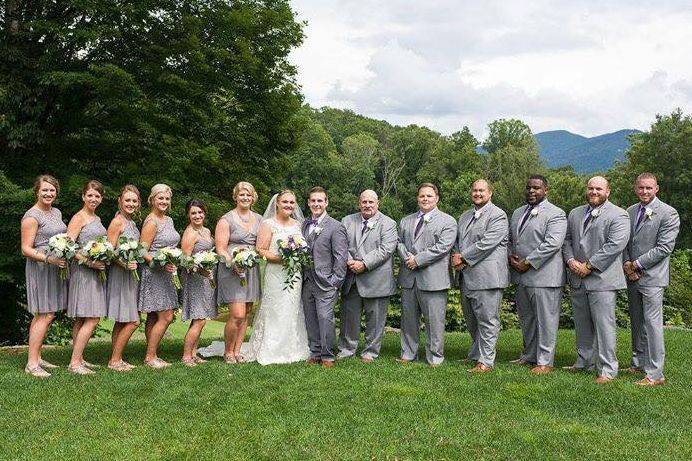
[(601, 244), (540, 243), (431, 250), (329, 252), (375, 247), (483, 245), (652, 242)]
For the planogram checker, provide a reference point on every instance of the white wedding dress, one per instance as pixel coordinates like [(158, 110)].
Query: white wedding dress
[(278, 334)]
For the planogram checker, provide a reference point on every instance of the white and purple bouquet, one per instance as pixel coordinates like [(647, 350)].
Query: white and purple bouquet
[(63, 247), (243, 259), (130, 250), (295, 255), (101, 250), (169, 256)]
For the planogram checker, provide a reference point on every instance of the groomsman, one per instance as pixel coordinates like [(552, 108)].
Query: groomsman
[(425, 240), (481, 256), (597, 233), (655, 225), (372, 240), (537, 232), (328, 244)]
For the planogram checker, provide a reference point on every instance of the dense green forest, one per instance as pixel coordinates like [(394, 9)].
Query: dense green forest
[(200, 95)]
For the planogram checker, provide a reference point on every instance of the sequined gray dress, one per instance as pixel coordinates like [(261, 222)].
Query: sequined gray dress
[(87, 294), (198, 297), (229, 288), (45, 292), (156, 290), (123, 289)]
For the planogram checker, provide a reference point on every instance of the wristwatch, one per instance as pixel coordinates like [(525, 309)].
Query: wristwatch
[(589, 266)]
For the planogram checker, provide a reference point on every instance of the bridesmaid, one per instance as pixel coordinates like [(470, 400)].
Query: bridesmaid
[(123, 288), (158, 297), (199, 301), (86, 301), (237, 228), (46, 294)]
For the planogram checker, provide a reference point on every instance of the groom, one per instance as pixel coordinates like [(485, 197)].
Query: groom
[(328, 244)]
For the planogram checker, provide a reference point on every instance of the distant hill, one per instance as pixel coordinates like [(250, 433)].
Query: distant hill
[(586, 155)]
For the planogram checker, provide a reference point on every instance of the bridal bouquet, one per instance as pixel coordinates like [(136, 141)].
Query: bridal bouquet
[(295, 255), (169, 256), (62, 246), (99, 249), (202, 261), (244, 258), (130, 250)]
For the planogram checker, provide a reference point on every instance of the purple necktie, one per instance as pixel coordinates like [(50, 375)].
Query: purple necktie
[(526, 217), (588, 218), (640, 217), (419, 226), (365, 226)]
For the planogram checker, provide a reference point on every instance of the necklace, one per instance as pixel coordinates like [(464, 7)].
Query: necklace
[(243, 219)]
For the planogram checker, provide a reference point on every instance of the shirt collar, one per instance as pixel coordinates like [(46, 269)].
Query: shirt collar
[(648, 205), (482, 209)]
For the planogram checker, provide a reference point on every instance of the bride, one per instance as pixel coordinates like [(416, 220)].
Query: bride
[(278, 333)]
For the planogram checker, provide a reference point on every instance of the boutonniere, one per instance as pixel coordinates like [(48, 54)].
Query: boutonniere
[(477, 214), (595, 212), (370, 225), (426, 218), (318, 230), (648, 212), (534, 212)]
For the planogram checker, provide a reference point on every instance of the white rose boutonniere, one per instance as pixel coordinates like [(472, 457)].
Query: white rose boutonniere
[(426, 218), (595, 212), (476, 214), (370, 225), (648, 212), (534, 212), (318, 230)]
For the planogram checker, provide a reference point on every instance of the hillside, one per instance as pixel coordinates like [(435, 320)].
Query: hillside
[(585, 155)]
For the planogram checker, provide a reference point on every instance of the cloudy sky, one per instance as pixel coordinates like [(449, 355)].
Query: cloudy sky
[(590, 67)]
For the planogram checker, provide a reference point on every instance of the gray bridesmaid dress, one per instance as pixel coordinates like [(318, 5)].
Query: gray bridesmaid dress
[(156, 290), (228, 283), (87, 294), (199, 300), (122, 290), (45, 292)]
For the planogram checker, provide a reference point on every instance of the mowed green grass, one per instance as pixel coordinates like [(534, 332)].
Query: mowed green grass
[(354, 411)]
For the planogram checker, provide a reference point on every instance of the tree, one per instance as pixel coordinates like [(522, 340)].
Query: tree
[(666, 151), (512, 158), (197, 94)]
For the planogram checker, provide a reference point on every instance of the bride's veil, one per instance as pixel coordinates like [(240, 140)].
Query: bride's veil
[(270, 212)]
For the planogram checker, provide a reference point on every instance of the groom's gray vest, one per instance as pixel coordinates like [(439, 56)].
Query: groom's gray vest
[(329, 249)]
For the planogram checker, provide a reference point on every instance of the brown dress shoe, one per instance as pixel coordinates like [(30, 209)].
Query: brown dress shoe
[(367, 359), (403, 360), (650, 382), (327, 363), (603, 380), (541, 370), (480, 368), (312, 361)]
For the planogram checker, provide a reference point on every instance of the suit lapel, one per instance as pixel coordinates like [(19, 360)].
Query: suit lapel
[(362, 236), (653, 207), (465, 223)]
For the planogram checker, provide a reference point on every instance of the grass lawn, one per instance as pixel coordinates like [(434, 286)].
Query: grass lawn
[(353, 411)]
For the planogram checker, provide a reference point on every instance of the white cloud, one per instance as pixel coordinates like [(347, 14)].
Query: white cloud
[(589, 67)]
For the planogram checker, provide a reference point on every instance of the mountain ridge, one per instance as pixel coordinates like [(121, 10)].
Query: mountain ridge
[(586, 155)]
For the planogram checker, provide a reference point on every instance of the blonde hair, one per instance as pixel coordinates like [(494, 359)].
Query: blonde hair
[(244, 185), (134, 190), (158, 189), (281, 194)]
